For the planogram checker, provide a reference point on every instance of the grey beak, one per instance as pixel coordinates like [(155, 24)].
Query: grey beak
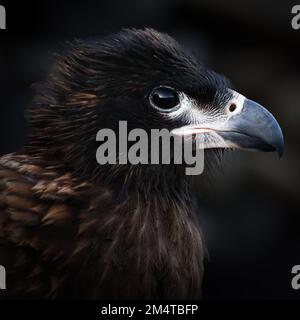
[(254, 128)]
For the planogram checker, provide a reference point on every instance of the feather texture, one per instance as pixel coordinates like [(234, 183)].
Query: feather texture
[(62, 238)]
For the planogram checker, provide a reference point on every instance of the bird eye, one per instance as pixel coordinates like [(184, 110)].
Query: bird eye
[(164, 99)]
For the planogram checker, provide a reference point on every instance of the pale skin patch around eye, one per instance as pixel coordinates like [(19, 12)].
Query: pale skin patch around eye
[(192, 114), (189, 111), (204, 120), (235, 104)]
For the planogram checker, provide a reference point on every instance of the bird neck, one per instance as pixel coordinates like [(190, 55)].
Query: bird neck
[(166, 181), (153, 240)]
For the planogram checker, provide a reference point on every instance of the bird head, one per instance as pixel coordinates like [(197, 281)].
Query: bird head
[(147, 79)]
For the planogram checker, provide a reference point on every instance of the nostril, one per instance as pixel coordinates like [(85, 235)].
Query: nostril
[(232, 107)]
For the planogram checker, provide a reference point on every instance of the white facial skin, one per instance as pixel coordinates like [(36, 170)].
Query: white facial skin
[(206, 123)]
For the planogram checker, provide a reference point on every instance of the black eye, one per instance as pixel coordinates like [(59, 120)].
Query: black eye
[(164, 98)]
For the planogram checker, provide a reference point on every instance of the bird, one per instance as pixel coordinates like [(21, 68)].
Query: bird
[(73, 229)]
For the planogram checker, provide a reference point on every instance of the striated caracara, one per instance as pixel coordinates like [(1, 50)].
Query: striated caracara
[(71, 228)]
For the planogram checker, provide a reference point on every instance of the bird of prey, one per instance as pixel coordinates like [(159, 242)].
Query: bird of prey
[(71, 228)]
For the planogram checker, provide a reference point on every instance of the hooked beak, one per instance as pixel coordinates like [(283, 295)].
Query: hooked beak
[(251, 127)]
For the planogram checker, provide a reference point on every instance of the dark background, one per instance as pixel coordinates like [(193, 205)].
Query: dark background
[(249, 209)]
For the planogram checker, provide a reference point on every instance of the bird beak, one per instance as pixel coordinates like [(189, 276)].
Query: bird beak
[(250, 126), (253, 128)]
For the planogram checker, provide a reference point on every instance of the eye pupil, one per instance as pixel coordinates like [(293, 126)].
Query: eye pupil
[(164, 98)]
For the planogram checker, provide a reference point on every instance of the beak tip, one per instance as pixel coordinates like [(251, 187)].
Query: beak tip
[(279, 144), (280, 149), (280, 153), (267, 127)]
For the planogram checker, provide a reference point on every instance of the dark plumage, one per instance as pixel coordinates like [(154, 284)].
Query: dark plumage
[(70, 228)]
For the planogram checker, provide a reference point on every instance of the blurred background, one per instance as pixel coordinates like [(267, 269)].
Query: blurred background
[(250, 208)]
